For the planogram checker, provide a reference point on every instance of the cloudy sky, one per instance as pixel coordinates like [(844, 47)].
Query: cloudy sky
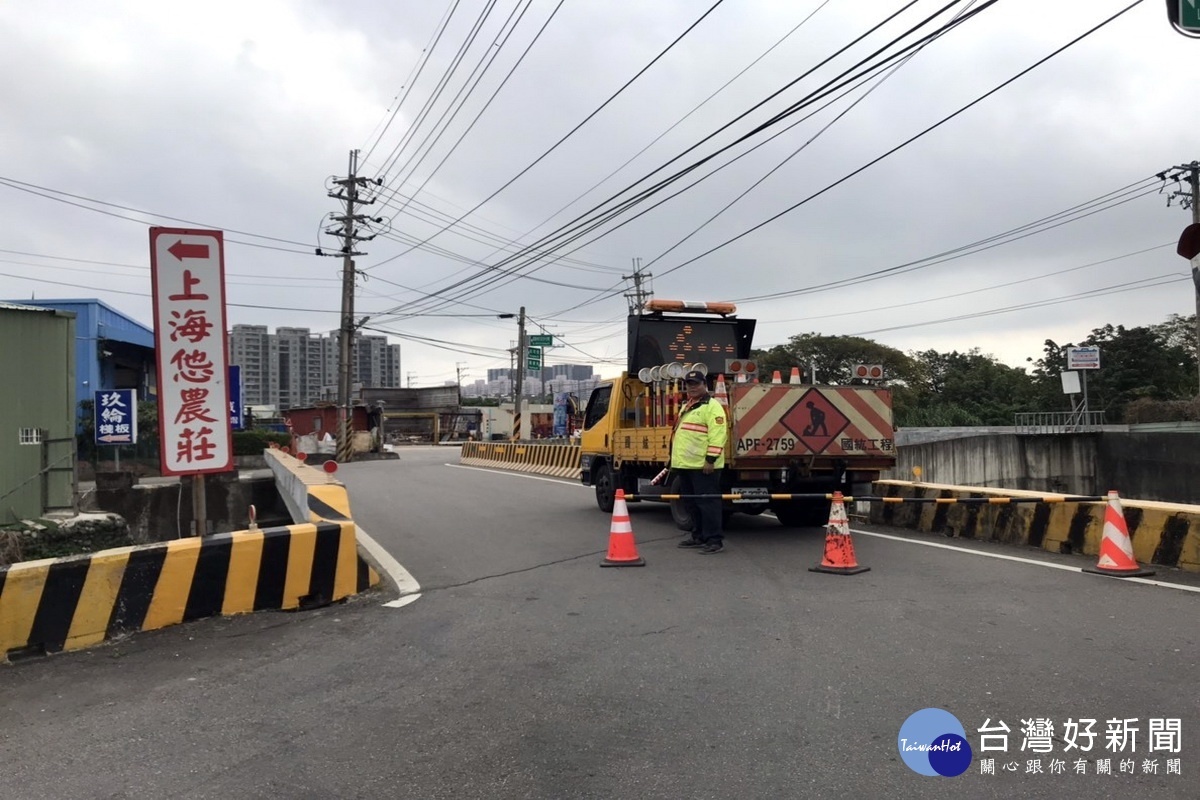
[(530, 152)]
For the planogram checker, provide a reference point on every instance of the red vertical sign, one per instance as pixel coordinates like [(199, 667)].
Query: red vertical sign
[(187, 269)]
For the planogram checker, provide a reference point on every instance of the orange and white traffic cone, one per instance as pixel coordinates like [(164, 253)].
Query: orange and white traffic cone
[(839, 556), (1116, 548), (795, 379), (721, 394), (622, 550), (775, 377)]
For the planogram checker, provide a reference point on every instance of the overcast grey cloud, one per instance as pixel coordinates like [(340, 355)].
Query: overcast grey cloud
[(234, 116)]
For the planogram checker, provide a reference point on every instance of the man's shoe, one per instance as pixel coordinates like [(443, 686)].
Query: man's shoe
[(711, 547), (690, 542)]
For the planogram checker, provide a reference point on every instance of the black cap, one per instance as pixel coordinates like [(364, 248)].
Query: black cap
[(695, 376)]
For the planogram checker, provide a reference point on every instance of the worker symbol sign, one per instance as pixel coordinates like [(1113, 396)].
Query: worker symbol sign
[(815, 421)]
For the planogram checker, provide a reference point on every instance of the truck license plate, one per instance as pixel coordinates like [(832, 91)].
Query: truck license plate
[(752, 494)]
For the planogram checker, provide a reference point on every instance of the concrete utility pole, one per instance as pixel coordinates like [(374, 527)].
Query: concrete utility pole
[(458, 371), (516, 435), (347, 231), (637, 298), (1190, 199), (1194, 181)]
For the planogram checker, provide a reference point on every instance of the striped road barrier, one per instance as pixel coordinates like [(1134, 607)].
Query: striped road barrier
[(70, 603), (52, 605), (1166, 534), (557, 460)]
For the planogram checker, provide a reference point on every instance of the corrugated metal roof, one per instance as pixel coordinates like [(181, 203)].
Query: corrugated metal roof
[(15, 307)]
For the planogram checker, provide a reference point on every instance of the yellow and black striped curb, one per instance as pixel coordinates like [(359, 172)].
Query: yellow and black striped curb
[(69, 603), (1167, 534), (558, 460), (313, 495)]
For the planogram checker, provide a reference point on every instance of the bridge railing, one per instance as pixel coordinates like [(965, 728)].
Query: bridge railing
[(1047, 422)]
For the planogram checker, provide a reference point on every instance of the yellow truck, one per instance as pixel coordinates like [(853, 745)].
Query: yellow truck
[(784, 438)]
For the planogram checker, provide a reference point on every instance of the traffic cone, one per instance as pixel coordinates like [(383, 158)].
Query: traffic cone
[(1116, 549), (795, 379), (721, 394), (622, 550), (839, 547), (775, 378)]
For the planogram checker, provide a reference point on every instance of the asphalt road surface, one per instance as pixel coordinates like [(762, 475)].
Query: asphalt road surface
[(524, 670)]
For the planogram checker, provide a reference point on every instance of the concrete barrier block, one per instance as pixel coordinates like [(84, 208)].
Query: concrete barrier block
[(1165, 534)]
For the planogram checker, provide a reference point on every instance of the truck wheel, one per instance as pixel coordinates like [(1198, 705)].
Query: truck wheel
[(606, 492), (679, 513), (802, 514)]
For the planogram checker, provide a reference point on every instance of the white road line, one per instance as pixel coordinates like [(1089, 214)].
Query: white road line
[(904, 539), (1033, 561), (562, 481), (405, 583), (403, 601)]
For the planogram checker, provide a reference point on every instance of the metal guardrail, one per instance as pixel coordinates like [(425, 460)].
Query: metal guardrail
[(1047, 422)]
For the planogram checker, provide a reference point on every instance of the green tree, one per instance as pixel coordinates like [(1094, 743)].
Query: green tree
[(967, 389), (834, 358), (1143, 362), (1179, 332)]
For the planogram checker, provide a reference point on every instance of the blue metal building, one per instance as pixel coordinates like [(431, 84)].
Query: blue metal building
[(112, 351)]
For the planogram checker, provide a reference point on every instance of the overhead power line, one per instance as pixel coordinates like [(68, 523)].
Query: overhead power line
[(569, 133), (591, 220), (1141, 283), (57, 195)]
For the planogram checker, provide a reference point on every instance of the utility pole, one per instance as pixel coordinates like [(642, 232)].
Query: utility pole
[(347, 231), (1190, 199), (410, 379), (637, 298), (516, 436), (1194, 181), (458, 371)]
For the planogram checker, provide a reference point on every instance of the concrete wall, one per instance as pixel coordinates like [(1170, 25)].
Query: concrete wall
[(1146, 465), (158, 511), (1155, 466)]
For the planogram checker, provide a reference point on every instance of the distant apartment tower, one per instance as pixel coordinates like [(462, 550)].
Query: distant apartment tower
[(250, 349), (376, 364), (573, 372), (294, 367), (297, 367)]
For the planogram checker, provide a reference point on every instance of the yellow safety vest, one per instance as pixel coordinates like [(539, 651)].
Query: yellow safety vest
[(700, 432)]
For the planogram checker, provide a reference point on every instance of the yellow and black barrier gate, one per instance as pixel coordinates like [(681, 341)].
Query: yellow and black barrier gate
[(995, 501), (1164, 534)]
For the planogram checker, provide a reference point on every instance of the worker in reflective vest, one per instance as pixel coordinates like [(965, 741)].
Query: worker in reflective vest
[(698, 455)]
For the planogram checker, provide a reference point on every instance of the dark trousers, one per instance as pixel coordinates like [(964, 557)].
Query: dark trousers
[(706, 512)]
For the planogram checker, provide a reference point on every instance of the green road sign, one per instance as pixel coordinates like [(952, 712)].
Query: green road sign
[(533, 358), (1189, 15), (542, 340)]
